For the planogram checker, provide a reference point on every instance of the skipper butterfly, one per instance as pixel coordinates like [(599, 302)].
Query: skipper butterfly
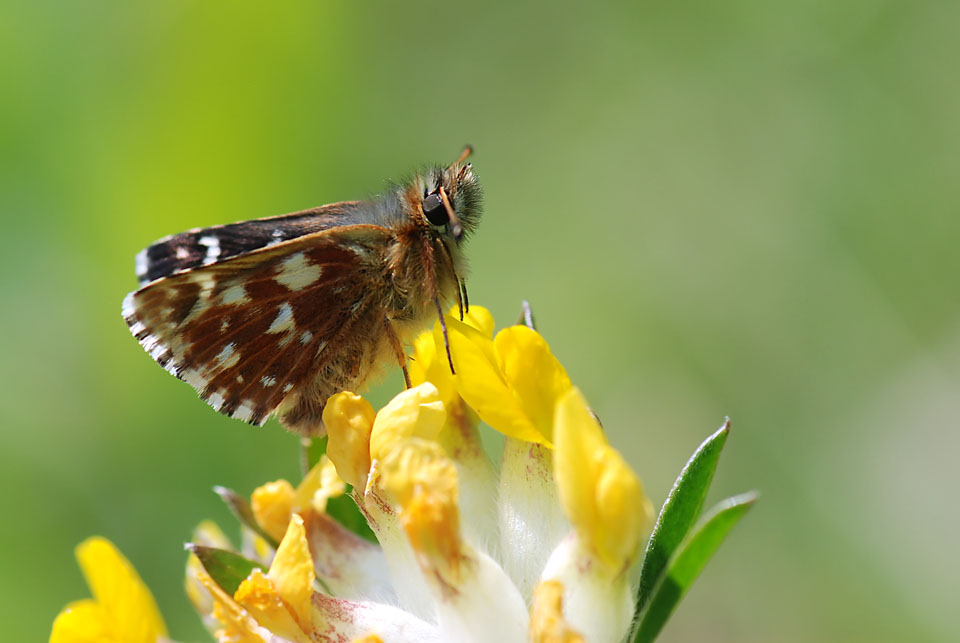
[(275, 315)]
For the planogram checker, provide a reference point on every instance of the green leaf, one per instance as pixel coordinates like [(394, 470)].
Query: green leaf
[(687, 563), (680, 510), (226, 568), (241, 509)]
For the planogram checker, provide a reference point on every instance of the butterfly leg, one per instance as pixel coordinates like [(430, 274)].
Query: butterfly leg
[(398, 349)]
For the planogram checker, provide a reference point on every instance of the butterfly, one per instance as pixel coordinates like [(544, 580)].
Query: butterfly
[(275, 315)]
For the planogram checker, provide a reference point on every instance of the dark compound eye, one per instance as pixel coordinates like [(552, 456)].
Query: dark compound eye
[(433, 208)]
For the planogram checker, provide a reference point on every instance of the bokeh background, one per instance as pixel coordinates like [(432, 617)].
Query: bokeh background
[(741, 208)]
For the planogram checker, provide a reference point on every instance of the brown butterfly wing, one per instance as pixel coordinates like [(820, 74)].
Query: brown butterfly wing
[(254, 330)]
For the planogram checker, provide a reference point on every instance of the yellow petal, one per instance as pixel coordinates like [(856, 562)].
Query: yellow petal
[(430, 365), (117, 588), (600, 494), (272, 505), (259, 597), (415, 412), (319, 485), (292, 572), (482, 385), (478, 317), (547, 624), (349, 421), (534, 375), (82, 622), (424, 352)]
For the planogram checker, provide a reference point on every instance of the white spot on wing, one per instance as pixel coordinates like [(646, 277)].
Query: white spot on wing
[(195, 379), (228, 356), (128, 310), (268, 381), (287, 387), (158, 351), (284, 320), (182, 253), (149, 343), (306, 337), (276, 237), (243, 412), (216, 401), (213, 248), (297, 272), (140, 264), (235, 295)]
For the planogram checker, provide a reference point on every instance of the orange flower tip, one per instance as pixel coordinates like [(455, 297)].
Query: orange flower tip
[(369, 638), (547, 624)]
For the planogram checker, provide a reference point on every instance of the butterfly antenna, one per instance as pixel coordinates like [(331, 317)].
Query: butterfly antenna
[(446, 338), (461, 285), (455, 228), (467, 151), (432, 280)]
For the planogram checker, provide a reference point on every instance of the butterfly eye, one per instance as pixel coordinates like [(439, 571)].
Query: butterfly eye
[(434, 210)]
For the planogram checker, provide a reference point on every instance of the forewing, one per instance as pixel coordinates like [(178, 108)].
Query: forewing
[(205, 246), (248, 331)]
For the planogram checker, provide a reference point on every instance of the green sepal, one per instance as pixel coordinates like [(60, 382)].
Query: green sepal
[(226, 568), (240, 508), (680, 511), (687, 563)]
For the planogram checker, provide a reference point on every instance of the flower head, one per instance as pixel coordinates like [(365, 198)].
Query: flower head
[(465, 549), (537, 547)]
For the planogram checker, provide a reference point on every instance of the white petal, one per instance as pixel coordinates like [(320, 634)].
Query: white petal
[(412, 592), (485, 607), (477, 481), (351, 567), (596, 604), (348, 620), (531, 519)]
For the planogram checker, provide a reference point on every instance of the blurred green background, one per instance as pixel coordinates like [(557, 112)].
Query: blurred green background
[(742, 208)]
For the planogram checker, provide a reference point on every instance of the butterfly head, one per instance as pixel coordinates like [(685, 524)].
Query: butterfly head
[(451, 199)]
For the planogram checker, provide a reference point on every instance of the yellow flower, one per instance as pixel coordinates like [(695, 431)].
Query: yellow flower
[(600, 494), (512, 381), (280, 599), (122, 609), (275, 502)]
